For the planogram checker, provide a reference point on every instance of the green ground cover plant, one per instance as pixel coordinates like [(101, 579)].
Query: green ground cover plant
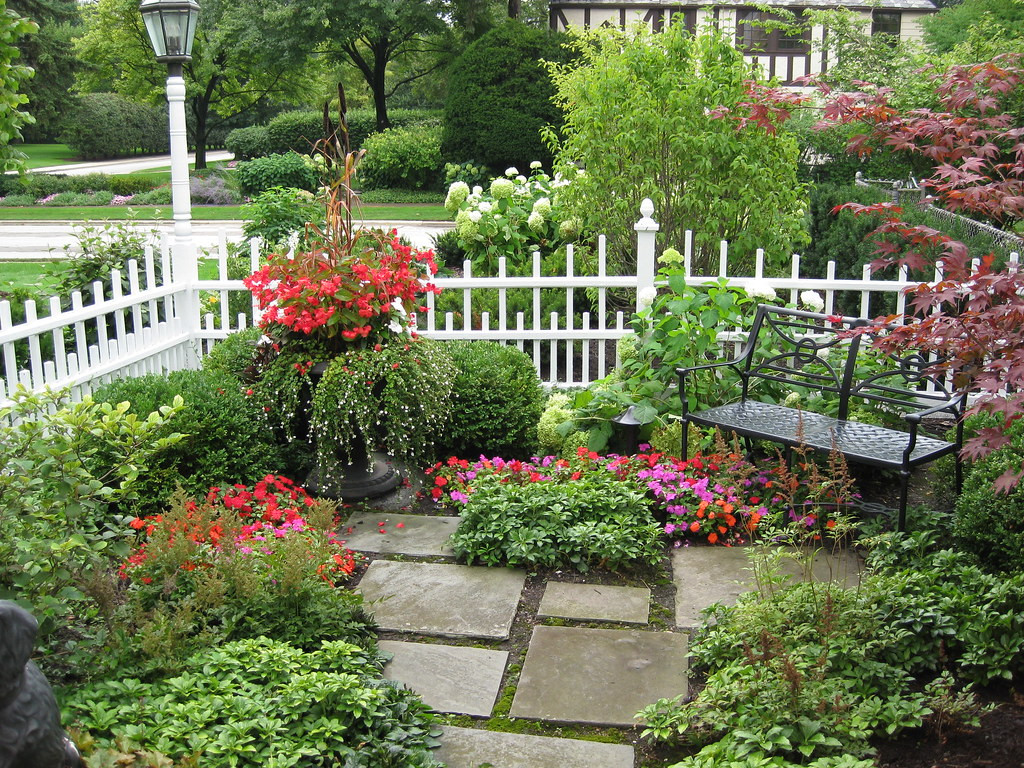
[(808, 674), (262, 702)]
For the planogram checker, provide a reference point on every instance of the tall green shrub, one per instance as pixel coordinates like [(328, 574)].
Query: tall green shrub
[(248, 143), (109, 125), (295, 131), (500, 98), (640, 119)]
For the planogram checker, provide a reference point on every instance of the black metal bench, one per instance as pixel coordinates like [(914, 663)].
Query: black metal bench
[(789, 350)]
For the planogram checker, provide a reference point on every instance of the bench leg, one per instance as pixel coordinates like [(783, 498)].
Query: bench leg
[(686, 440), (901, 523)]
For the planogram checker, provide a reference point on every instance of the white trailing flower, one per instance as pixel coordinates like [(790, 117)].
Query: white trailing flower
[(512, 171), (812, 300), (485, 207), (761, 289), (647, 296), (396, 327), (475, 216), (535, 165), (478, 190)]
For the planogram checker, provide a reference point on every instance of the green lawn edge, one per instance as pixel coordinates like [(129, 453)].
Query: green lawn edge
[(403, 212)]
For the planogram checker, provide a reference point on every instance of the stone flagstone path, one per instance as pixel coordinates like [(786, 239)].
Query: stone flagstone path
[(585, 675)]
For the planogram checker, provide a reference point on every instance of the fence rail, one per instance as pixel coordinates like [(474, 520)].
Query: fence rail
[(148, 321)]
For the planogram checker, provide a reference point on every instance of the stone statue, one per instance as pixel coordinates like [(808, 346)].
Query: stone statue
[(30, 732)]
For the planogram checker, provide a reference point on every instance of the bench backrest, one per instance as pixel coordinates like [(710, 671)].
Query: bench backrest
[(793, 349)]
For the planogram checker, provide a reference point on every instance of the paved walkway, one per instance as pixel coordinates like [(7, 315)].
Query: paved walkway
[(127, 165), (594, 658)]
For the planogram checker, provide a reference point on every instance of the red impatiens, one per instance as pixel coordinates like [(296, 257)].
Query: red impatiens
[(240, 522)]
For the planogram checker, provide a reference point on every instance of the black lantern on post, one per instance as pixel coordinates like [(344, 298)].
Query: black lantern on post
[(172, 28)]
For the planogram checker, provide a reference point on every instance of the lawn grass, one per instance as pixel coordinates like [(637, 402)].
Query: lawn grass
[(43, 155), (24, 274), (32, 274), (406, 212)]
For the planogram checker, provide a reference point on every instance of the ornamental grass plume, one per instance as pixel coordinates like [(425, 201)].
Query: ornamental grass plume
[(342, 283)]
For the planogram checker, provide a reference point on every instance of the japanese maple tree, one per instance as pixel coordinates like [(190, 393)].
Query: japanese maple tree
[(974, 315)]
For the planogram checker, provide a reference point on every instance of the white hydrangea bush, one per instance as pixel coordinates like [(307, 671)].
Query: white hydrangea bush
[(513, 216)]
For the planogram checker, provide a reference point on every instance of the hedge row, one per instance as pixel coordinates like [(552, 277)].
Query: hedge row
[(298, 130)]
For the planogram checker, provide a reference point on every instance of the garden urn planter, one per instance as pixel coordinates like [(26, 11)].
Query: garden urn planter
[(357, 473)]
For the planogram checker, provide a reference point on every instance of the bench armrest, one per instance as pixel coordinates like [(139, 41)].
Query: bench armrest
[(684, 372), (916, 416)]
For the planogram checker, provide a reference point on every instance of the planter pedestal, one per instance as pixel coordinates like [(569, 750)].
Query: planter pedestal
[(364, 478)]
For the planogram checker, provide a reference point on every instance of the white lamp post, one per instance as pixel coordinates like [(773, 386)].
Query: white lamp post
[(172, 28)]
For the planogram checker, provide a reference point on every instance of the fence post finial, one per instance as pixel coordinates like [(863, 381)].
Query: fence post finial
[(646, 229)]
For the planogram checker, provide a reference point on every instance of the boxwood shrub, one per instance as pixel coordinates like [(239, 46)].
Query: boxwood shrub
[(496, 401), (283, 170), (224, 441)]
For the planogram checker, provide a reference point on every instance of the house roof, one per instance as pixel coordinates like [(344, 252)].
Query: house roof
[(901, 5)]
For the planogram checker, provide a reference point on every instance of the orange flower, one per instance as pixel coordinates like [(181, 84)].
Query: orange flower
[(694, 526), (712, 538)]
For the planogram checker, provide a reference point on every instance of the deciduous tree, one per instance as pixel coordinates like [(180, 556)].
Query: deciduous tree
[(51, 54), (229, 74), (13, 29), (974, 316), (637, 126)]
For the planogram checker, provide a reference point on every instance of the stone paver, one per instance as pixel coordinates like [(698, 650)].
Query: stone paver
[(405, 534), (470, 748), (595, 602), (707, 575), (448, 678), (443, 599), (598, 676)]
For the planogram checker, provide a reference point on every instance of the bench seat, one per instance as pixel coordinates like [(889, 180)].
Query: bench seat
[(864, 443)]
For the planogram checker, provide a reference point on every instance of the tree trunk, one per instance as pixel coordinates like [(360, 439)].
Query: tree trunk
[(513, 8), (380, 102)]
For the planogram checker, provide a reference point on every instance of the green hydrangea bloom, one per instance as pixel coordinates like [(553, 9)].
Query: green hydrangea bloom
[(502, 188), (556, 412), (457, 194)]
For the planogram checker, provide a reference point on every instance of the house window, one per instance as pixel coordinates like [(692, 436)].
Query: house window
[(758, 32), (885, 23)]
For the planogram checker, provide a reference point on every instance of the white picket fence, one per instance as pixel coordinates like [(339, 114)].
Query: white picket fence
[(156, 325)]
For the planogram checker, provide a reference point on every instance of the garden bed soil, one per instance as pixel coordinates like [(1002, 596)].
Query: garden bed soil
[(997, 743)]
